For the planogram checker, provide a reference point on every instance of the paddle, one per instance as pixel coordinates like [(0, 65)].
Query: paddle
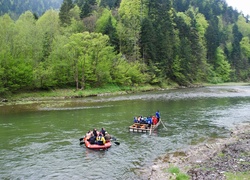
[(80, 139), (115, 141), (82, 142)]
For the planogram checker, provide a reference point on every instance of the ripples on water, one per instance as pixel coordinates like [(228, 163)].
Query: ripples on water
[(41, 141)]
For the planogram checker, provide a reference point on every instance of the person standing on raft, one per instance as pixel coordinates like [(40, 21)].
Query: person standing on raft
[(157, 114)]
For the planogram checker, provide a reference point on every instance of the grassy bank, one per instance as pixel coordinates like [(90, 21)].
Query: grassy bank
[(72, 93), (107, 90)]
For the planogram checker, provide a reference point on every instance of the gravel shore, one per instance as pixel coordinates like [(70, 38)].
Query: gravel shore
[(208, 161)]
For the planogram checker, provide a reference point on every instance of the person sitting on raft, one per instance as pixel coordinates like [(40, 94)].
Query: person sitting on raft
[(95, 133), (149, 121), (100, 139), (144, 120), (107, 136), (154, 119), (103, 131), (92, 139), (88, 135)]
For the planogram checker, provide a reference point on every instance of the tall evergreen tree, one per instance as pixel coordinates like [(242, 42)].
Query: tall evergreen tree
[(213, 39), (64, 16), (110, 3), (86, 7), (236, 52), (161, 15), (148, 42), (112, 33)]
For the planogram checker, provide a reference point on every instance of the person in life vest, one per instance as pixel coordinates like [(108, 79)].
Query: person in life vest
[(107, 136), (95, 133), (154, 119), (157, 114), (100, 139), (135, 120), (103, 131), (149, 121), (88, 135), (92, 139)]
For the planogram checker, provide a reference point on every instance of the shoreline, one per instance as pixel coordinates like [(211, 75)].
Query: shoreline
[(59, 94), (199, 161)]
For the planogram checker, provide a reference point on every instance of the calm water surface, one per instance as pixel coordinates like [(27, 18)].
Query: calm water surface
[(41, 140)]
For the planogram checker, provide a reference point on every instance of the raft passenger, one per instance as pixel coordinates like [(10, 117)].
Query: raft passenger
[(100, 139), (92, 139), (103, 131), (157, 114)]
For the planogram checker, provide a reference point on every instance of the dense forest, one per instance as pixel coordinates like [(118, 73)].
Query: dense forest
[(16, 7), (95, 43)]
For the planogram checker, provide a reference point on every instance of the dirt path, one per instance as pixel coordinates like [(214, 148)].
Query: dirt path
[(208, 161)]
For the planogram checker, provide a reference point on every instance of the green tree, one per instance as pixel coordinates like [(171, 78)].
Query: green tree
[(106, 25), (237, 63), (213, 39), (47, 27), (126, 73), (91, 58), (148, 42), (162, 16), (130, 15), (64, 14), (110, 3), (26, 41), (243, 25), (63, 75), (245, 47), (222, 67), (86, 6)]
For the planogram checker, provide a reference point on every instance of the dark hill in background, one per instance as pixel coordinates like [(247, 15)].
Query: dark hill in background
[(16, 7)]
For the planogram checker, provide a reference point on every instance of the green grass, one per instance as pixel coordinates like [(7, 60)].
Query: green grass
[(174, 170), (182, 176), (238, 175), (71, 92), (178, 174), (109, 89)]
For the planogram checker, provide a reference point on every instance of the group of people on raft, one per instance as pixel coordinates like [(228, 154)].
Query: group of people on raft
[(98, 137), (150, 120)]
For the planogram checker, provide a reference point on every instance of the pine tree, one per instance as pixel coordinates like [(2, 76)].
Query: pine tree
[(64, 16), (236, 52)]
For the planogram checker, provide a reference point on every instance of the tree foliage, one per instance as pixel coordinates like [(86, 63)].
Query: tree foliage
[(93, 43)]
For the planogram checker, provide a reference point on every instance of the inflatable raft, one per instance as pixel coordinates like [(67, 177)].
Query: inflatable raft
[(96, 146)]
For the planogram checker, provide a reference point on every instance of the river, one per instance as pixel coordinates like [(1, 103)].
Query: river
[(40, 140)]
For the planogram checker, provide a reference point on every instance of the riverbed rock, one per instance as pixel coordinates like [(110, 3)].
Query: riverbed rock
[(4, 100), (209, 161)]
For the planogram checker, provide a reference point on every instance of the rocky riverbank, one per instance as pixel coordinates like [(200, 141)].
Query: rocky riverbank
[(214, 160)]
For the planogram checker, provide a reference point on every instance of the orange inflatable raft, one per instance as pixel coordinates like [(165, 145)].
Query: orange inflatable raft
[(96, 146)]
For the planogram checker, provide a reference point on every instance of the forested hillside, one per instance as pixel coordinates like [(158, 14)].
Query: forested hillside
[(16, 7), (94, 43)]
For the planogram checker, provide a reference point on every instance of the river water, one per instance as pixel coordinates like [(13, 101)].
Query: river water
[(40, 140)]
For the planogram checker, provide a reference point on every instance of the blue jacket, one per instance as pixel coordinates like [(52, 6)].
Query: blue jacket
[(149, 120), (157, 114)]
